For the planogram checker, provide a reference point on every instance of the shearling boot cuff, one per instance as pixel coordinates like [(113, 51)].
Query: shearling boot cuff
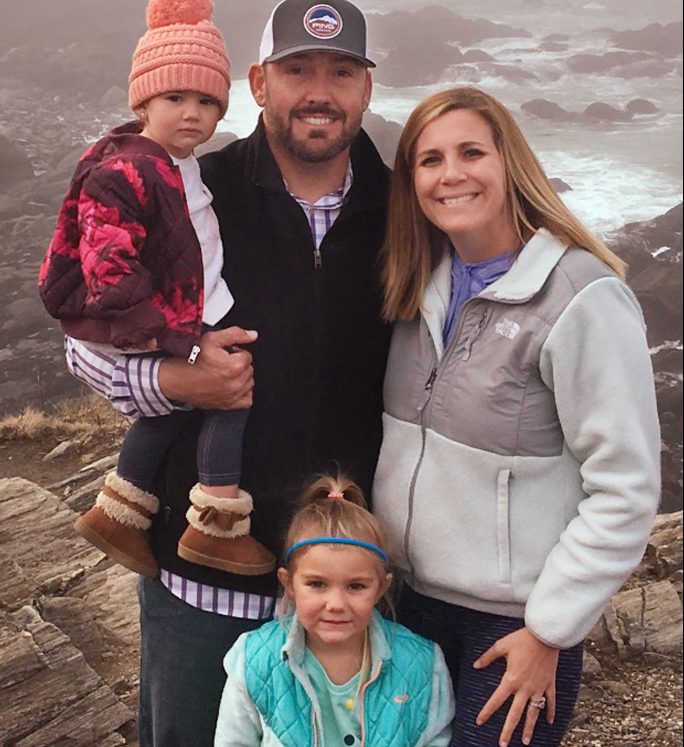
[(125, 503), (131, 493), (220, 517)]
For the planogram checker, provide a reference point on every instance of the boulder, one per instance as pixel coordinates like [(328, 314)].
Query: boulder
[(427, 65), (477, 55), (434, 24), (27, 313), (560, 186), (51, 695), (606, 113), (665, 39), (43, 558), (647, 69), (646, 619), (217, 141), (598, 63), (75, 618), (114, 97), (663, 556), (641, 240), (84, 497), (39, 550), (510, 73), (641, 106), (10, 207), (656, 280), (544, 109), (554, 46), (16, 165), (384, 133), (69, 612), (65, 158)]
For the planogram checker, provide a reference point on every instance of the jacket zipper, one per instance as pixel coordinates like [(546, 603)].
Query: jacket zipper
[(472, 339), (475, 335), (362, 717), (317, 281), (428, 389), (431, 379), (412, 488), (429, 386), (409, 521)]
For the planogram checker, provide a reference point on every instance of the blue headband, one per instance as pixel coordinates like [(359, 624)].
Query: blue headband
[(338, 541)]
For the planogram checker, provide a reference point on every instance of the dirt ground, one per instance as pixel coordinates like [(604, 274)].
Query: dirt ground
[(25, 458), (86, 429)]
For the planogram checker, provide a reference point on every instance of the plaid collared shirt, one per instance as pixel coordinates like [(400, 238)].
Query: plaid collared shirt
[(131, 384), (325, 211)]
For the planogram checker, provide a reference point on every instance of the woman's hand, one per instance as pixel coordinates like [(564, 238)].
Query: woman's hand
[(530, 675)]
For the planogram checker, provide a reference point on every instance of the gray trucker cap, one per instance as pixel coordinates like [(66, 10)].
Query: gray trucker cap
[(302, 26)]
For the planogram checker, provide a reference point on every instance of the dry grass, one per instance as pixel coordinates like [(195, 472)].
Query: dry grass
[(77, 417)]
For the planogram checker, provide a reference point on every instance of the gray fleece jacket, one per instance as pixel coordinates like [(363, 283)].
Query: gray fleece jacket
[(520, 468)]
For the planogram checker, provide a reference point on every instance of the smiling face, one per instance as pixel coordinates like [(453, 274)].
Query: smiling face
[(313, 103), (459, 179), (335, 588), (180, 120)]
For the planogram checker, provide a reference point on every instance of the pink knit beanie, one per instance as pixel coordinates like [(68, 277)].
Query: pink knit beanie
[(182, 50)]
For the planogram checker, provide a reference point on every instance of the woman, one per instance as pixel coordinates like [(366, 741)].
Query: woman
[(519, 472)]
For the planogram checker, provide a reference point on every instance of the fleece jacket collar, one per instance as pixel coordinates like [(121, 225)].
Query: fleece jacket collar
[(522, 282), (530, 270)]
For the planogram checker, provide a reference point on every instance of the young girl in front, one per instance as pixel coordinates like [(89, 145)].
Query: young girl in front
[(332, 671), (134, 268)]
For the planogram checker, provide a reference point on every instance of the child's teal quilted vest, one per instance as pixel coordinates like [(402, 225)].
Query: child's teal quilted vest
[(396, 704)]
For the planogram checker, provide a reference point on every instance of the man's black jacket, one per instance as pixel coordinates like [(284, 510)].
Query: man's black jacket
[(320, 358)]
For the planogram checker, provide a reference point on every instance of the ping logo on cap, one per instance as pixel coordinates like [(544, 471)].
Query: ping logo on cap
[(323, 22)]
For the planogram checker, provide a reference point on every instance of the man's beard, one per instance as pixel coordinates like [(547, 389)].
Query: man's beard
[(281, 130)]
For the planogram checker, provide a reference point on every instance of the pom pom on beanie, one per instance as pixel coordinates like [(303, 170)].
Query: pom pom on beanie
[(167, 12), (182, 50)]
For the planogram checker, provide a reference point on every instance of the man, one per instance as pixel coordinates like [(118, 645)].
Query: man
[(301, 206)]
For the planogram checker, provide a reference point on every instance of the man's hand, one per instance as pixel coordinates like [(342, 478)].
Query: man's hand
[(221, 378), (530, 674)]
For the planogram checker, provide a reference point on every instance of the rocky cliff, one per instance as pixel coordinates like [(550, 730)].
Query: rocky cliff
[(69, 632)]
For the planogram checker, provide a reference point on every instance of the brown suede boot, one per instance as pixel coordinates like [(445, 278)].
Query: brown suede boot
[(117, 524), (218, 535)]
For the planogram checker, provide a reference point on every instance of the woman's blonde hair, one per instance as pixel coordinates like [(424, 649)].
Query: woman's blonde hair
[(413, 245)]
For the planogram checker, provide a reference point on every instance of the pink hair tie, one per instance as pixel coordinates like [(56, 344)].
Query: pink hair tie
[(336, 495)]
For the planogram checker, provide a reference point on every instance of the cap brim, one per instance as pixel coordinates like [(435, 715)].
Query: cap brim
[(316, 48)]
